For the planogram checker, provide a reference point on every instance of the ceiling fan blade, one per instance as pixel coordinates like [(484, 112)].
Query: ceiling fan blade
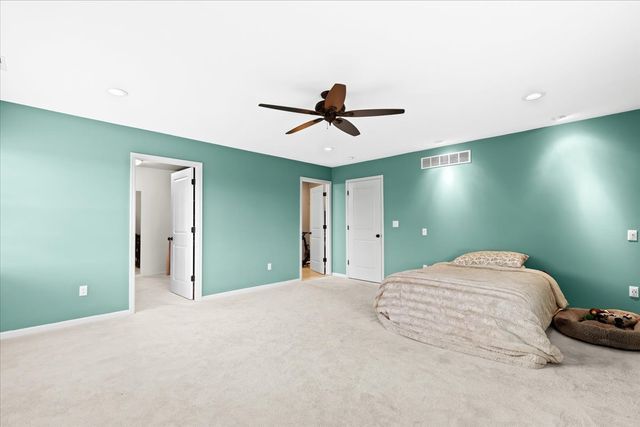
[(371, 113), (335, 97), (346, 126), (305, 125), (290, 109)]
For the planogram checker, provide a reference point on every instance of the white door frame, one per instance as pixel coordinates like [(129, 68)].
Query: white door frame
[(132, 220), (329, 231), (346, 217)]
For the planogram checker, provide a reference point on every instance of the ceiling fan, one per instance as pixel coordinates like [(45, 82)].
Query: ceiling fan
[(332, 110)]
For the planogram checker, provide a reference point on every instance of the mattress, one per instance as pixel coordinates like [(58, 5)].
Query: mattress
[(497, 313)]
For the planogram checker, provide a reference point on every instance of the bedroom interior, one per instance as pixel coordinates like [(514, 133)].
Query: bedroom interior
[(166, 253), (450, 239)]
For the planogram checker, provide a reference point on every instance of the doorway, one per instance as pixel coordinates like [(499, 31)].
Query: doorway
[(165, 256), (315, 228), (365, 226)]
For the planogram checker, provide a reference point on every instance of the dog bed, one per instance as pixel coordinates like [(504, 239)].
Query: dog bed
[(571, 322)]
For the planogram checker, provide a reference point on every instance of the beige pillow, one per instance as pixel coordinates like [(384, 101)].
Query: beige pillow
[(499, 258)]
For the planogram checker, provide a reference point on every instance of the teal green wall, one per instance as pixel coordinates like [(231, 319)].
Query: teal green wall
[(565, 195), (64, 214)]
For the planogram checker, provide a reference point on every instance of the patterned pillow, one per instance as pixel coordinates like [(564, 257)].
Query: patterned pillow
[(499, 258)]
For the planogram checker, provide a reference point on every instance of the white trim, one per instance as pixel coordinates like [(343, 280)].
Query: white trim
[(132, 220), (249, 289), (60, 325), (339, 275), (329, 232), (346, 217), (366, 178)]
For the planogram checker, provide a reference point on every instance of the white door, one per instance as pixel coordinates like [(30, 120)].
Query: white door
[(317, 227), (183, 233), (364, 229)]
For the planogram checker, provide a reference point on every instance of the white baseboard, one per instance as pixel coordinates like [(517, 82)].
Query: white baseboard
[(339, 275), (249, 289), (59, 325), (66, 323)]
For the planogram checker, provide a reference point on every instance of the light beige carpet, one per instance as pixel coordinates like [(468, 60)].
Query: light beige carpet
[(307, 353)]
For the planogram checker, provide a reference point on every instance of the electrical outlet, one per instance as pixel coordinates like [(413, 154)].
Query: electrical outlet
[(395, 223), (425, 265), (632, 235), (83, 290), (269, 266), (633, 292), (425, 231)]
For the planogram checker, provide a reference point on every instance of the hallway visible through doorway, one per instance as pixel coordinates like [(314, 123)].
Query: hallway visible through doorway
[(315, 231), (308, 273)]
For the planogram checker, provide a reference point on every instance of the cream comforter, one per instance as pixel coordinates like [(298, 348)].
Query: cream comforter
[(497, 313)]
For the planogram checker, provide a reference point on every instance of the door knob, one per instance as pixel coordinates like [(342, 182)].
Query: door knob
[(170, 238), (378, 236)]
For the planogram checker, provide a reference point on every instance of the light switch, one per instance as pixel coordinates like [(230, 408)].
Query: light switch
[(395, 224), (424, 231), (632, 235)]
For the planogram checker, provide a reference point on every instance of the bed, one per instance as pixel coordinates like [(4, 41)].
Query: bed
[(495, 312)]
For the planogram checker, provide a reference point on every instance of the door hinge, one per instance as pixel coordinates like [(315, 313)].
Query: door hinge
[(347, 262), (193, 278), (347, 227), (193, 181), (324, 260), (347, 192), (324, 193), (193, 229), (324, 227)]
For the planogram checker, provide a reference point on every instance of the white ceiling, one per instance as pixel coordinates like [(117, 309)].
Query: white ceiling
[(199, 69)]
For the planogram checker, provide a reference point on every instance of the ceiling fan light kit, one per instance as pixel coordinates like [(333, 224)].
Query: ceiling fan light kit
[(333, 111)]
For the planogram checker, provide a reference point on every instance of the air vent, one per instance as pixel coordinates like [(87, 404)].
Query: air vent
[(450, 159)]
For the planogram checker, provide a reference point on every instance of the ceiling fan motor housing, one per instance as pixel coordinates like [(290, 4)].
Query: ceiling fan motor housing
[(330, 115)]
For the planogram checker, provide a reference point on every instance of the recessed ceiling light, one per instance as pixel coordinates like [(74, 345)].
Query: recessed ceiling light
[(533, 96), (328, 148), (117, 91), (352, 157), (560, 118), (138, 162), (439, 141)]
